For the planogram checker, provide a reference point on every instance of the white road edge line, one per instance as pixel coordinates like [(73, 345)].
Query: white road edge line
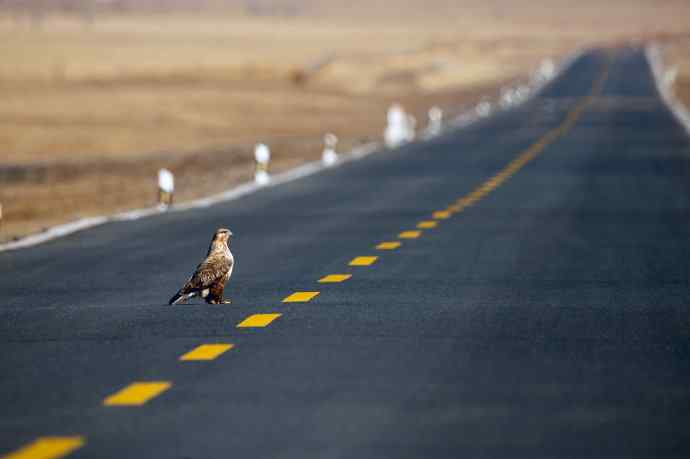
[(653, 54), (304, 170)]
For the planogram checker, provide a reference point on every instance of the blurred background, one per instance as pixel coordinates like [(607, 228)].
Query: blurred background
[(97, 95)]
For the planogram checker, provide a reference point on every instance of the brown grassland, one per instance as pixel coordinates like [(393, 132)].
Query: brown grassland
[(89, 112)]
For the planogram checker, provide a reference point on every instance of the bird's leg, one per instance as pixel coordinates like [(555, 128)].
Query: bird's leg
[(220, 301), (216, 295)]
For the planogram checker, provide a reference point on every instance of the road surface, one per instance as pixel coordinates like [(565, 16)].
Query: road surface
[(544, 312)]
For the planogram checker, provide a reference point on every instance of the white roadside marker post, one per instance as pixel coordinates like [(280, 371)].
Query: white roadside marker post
[(435, 121), (670, 78), (329, 156), (411, 128), (262, 155), (547, 69), (483, 109), (521, 93), (166, 188), (507, 97), (396, 132)]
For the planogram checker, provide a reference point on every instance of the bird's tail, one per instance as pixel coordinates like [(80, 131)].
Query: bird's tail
[(179, 297)]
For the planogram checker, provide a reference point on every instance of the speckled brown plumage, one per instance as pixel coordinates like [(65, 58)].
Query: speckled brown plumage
[(210, 277)]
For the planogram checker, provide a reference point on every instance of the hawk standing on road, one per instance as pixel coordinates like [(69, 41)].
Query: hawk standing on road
[(208, 281)]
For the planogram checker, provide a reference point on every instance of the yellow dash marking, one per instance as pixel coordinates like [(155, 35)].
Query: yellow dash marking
[(138, 393), (388, 245), (47, 448), (363, 261), (477, 194), (333, 278), (300, 297), (410, 234), (427, 224), (441, 215), (206, 352), (532, 151), (258, 320)]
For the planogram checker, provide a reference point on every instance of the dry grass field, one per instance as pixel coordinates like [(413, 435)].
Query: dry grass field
[(89, 112)]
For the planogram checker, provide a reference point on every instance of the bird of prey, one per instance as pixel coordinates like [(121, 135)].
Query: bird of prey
[(208, 281)]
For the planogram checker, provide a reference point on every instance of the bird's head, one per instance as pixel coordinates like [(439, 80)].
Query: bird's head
[(222, 235)]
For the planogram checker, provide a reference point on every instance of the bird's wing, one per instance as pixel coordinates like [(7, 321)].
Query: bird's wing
[(207, 273)]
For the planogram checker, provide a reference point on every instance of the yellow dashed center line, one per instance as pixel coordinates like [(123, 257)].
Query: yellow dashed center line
[(138, 393), (206, 352), (530, 153), (47, 448), (300, 297), (258, 320), (440, 215), (333, 278), (427, 224), (410, 234), (388, 245), (363, 261)]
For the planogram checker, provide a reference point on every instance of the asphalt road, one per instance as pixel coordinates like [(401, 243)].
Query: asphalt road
[(548, 316)]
